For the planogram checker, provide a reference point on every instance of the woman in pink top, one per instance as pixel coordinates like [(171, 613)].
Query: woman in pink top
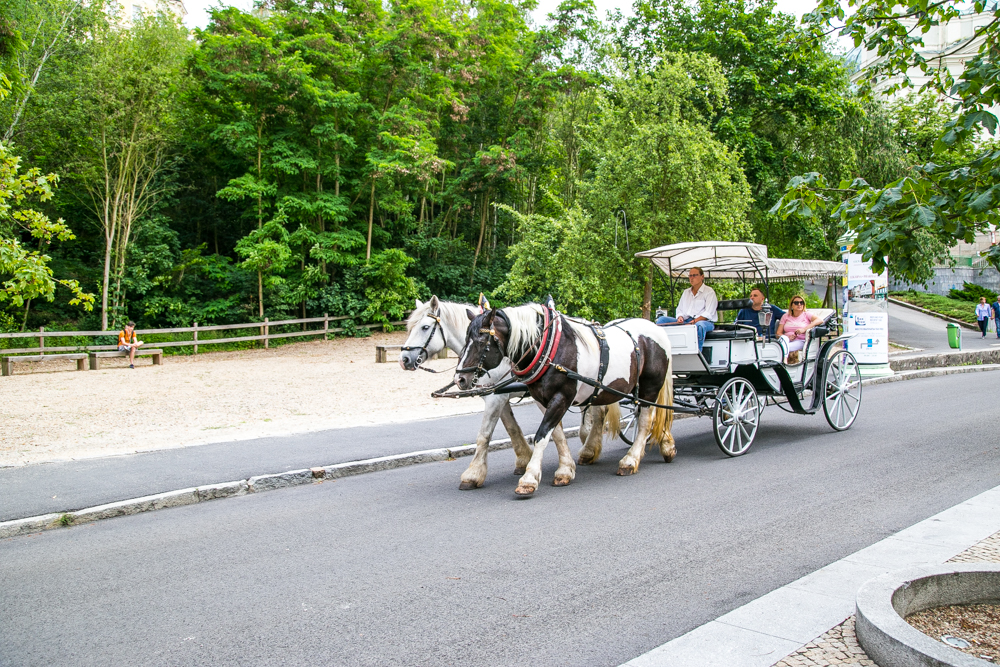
[(794, 324)]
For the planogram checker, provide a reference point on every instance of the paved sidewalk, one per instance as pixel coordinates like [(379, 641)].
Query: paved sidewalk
[(814, 614)]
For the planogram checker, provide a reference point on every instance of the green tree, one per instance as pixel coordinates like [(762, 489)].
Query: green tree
[(126, 110), (657, 167), (25, 273), (914, 218), (787, 107)]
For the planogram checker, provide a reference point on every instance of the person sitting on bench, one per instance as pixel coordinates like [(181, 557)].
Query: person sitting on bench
[(794, 326), (127, 342), (751, 316), (697, 306)]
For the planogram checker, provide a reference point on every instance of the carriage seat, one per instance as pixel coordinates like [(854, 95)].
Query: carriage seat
[(734, 304), (724, 332), (731, 331)]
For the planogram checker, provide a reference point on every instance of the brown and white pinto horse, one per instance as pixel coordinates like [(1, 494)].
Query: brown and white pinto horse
[(438, 324), (638, 359)]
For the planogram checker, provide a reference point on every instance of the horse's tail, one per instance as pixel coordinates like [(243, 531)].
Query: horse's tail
[(663, 420), (613, 421)]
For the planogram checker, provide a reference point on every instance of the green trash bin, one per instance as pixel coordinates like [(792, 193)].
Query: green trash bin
[(954, 336)]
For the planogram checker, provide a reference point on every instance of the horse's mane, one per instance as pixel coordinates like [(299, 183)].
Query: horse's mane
[(524, 331), (452, 314)]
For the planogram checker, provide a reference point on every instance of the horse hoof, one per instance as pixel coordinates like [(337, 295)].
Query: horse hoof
[(586, 460), (670, 457), (467, 486), (518, 470), (524, 490), (561, 481), (626, 470)]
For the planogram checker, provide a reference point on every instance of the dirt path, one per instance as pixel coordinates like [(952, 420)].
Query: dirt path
[(50, 412)]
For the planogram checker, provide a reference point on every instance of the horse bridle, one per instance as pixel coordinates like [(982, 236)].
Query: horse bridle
[(478, 368), (423, 348)]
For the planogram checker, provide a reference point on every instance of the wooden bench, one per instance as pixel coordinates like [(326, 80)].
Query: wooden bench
[(95, 357), (382, 353), (5, 362)]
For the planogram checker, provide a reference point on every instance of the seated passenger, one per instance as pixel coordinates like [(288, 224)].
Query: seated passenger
[(793, 326), (751, 316), (697, 306)]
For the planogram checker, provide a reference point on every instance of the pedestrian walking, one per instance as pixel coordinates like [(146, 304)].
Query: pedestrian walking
[(983, 312), (995, 307)]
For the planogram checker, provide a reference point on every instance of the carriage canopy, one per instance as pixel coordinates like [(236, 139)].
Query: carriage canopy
[(735, 260)]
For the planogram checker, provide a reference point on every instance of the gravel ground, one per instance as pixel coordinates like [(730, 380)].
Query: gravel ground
[(52, 412), (978, 624), (839, 645)]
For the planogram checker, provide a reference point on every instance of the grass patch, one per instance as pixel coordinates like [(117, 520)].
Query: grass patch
[(960, 310), (66, 520)]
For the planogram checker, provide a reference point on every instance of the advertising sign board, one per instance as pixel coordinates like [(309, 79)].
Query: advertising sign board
[(865, 309)]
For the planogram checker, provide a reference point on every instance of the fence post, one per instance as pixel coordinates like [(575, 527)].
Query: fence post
[(196, 338), (41, 339), (267, 332), (326, 326)]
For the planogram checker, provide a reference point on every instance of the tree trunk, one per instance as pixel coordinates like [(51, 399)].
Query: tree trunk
[(482, 231), (260, 212), (371, 217), (260, 293), (104, 290)]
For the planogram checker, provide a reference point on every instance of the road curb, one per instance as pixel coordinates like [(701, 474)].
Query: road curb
[(255, 484), (281, 480)]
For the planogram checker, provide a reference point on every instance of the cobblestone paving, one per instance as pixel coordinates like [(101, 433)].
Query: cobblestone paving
[(839, 646)]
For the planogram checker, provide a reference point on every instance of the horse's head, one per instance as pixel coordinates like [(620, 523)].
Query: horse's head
[(426, 335), (485, 344)]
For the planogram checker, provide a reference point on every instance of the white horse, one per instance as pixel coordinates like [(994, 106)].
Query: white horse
[(437, 324)]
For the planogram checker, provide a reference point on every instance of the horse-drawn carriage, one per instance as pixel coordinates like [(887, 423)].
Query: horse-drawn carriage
[(653, 371), (738, 371)]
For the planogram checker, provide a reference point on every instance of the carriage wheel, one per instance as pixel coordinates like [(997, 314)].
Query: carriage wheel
[(736, 416), (842, 390), (630, 422)]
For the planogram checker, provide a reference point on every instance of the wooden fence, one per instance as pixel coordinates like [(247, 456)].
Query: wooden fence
[(264, 328)]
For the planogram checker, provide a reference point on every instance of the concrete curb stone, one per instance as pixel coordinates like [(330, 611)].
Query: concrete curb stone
[(279, 480), (31, 524), (947, 359), (223, 490)]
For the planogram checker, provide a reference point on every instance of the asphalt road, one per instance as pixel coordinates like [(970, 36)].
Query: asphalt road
[(71, 485), (402, 568)]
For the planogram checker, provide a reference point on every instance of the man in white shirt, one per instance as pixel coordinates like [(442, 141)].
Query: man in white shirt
[(697, 306)]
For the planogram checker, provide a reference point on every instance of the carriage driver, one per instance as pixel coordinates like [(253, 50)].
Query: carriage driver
[(697, 306)]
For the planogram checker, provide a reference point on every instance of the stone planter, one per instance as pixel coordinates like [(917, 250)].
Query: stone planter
[(885, 601)]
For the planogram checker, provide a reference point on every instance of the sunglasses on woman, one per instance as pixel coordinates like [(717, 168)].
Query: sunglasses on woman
[(798, 303)]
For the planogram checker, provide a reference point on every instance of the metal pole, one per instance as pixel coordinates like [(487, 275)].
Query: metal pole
[(326, 326), (196, 338), (267, 332), (670, 273)]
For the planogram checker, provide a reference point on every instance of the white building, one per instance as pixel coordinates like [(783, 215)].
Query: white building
[(951, 45)]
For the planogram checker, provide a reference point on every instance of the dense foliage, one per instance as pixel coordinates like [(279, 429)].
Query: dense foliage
[(952, 191), (349, 156)]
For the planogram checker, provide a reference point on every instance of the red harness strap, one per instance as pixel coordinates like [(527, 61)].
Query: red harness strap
[(546, 349)]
